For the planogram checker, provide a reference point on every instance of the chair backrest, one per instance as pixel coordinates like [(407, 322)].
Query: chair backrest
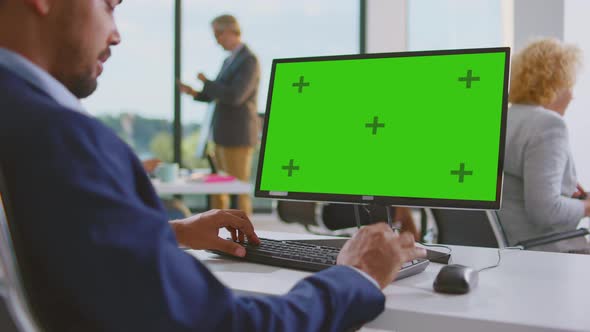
[(304, 213), (468, 228), (330, 216), (15, 312)]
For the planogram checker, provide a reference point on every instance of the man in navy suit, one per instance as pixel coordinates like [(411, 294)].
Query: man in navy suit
[(99, 252), (235, 121)]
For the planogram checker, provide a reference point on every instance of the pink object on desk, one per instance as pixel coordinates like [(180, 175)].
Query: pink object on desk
[(219, 178)]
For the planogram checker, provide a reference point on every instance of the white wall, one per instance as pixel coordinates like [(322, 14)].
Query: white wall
[(537, 18), (576, 27), (452, 24)]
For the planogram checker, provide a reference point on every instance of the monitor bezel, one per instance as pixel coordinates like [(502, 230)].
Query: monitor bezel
[(391, 200)]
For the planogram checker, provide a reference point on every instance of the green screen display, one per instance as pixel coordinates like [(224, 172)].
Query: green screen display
[(411, 125)]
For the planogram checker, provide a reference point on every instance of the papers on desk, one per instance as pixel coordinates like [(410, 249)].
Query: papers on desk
[(210, 178)]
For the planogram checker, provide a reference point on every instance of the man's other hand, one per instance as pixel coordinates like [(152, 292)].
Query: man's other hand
[(201, 231), (202, 77), (187, 89), (378, 251)]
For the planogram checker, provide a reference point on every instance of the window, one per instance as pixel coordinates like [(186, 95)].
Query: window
[(272, 29), (134, 96)]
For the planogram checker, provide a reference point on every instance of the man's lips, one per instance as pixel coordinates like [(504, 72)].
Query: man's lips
[(104, 56)]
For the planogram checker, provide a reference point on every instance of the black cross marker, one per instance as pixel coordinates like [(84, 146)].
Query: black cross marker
[(301, 84), (461, 172), (469, 78), (375, 125), (290, 167)]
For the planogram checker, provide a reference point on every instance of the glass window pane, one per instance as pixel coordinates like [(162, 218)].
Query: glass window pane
[(134, 95), (272, 29)]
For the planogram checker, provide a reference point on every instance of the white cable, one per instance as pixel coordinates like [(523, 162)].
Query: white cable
[(500, 257)]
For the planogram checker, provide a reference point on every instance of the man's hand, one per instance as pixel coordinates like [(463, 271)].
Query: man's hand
[(201, 231), (378, 251), (202, 77), (187, 89)]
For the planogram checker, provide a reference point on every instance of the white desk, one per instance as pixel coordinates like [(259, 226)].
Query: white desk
[(529, 291), (185, 187)]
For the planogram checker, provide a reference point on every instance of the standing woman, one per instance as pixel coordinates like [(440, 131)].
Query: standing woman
[(541, 193)]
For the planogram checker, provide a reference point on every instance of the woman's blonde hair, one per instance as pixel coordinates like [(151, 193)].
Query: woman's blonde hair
[(541, 70)]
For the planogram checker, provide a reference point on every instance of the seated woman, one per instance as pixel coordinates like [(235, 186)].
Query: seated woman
[(541, 194)]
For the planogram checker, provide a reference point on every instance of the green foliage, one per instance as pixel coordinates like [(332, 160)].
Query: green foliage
[(151, 138), (161, 147)]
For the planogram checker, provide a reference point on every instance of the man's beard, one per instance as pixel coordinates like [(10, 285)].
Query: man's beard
[(80, 80), (82, 86), (85, 84)]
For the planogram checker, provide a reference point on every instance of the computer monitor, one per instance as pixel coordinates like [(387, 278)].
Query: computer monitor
[(410, 128)]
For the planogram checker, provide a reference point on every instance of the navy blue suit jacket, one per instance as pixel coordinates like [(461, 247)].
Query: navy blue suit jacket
[(101, 253), (235, 90)]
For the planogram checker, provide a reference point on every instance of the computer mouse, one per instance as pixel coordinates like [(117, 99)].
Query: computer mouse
[(455, 279)]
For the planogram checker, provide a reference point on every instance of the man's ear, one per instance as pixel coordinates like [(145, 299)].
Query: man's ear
[(41, 7)]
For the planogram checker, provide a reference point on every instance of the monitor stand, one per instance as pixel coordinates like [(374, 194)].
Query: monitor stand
[(338, 243), (388, 209)]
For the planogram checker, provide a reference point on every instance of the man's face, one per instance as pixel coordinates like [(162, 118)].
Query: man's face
[(226, 38), (84, 32)]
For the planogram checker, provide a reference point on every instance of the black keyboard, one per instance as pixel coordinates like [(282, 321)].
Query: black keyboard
[(300, 255)]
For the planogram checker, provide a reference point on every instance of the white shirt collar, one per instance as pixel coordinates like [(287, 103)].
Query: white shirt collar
[(236, 50), (38, 77)]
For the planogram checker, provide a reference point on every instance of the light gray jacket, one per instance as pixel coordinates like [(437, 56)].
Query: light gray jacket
[(540, 178)]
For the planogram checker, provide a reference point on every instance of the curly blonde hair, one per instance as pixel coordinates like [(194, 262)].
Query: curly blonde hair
[(541, 70)]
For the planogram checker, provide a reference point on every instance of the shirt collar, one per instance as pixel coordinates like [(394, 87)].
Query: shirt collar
[(38, 77), (236, 50)]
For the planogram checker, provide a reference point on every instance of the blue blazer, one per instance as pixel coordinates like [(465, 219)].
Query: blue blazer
[(102, 256)]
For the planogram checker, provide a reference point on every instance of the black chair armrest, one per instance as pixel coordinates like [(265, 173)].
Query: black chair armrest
[(554, 237)]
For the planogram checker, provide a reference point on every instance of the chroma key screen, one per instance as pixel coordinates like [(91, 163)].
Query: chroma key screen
[(411, 128)]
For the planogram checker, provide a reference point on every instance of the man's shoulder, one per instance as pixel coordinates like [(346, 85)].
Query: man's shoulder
[(248, 53), (21, 99), (27, 113)]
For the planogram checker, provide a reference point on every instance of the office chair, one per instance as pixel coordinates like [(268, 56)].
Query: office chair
[(483, 229), (15, 312), (327, 216)]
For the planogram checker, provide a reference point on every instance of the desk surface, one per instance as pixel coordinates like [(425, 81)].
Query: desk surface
[(529, 291), (182, 186)]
